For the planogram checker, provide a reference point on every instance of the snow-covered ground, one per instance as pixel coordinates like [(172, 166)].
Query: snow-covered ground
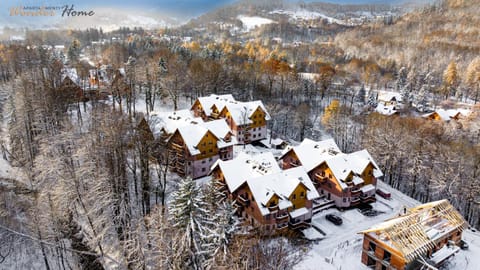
[(341, 248), (302, 14), (251, 22)]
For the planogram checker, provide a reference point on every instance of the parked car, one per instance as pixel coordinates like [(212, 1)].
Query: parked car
[(463, 244), (334, 219), (384, 194)]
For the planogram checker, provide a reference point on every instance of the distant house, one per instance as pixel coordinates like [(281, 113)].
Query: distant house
[(70, 89), (389, 98), (120, 86), (268, 197), (419, 239), (247, 120), (346, 179), (386, 109), (446, 115), (98, 77)]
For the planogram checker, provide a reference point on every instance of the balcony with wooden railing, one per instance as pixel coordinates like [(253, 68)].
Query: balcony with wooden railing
[(295, 163), (367, 199), (355, 192), (273, 207), (243, 200), (321, 178), (355, 201), (282, 216), (300, 224), (176, 146)]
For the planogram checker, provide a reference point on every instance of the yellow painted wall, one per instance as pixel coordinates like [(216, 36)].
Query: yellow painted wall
[(258, 118), (367, 174), (296, 197), (207, 146)]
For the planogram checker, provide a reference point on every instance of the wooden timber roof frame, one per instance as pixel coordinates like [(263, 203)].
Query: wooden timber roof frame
[(408, 233)]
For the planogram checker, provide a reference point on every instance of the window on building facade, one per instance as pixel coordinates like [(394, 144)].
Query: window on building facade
[(387, 256), (203, 169), (372, 246)]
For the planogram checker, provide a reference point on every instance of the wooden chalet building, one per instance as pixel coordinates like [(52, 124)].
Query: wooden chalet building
[(247, 120), (346, 179), (69, 89), (268, 198), (195, 146), (119, 85), (446, 115), (423, 238)]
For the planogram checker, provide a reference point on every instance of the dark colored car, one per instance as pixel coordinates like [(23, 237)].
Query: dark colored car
[(334, 219), (463, 244)]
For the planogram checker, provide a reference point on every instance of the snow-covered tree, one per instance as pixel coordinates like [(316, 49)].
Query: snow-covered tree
[(189, 215), (360, 97), (421, 99), (401, 79)]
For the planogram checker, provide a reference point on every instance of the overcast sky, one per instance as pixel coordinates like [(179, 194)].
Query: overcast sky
[(176, 8)]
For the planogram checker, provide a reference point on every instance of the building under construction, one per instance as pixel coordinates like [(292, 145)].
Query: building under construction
[(422, 238)]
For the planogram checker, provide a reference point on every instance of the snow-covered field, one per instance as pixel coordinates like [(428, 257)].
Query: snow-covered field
[(303, 14), (251, 22)]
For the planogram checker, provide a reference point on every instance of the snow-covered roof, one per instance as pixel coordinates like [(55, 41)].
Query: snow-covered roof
[(122, 72), (218, 127), (237, 171), (368, 188), (277, 142), (283, 184), (389, 96), (70, 73), (300, 174), (340, 168), (358, 160), (416, 232), (217, 100), (242, 112), (299, 212), (357, 180), (386, 109), (443, 253), (312, 153), (447, 115), (170, 121), (192, 135)]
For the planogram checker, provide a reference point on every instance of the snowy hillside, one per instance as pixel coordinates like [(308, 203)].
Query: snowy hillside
[(303, 14), (251, 22)]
